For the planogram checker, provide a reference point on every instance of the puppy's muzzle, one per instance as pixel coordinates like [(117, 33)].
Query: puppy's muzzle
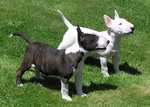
[(132, 29)]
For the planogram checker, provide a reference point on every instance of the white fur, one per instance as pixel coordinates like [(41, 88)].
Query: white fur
[(116, 28), (20, 85), (65, 91)]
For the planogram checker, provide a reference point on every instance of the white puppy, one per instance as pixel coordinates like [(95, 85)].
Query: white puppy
[(115, 29)]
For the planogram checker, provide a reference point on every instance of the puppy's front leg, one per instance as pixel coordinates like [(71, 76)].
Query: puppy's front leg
[(65, 91), (115, 60), (78, 79), (104, 67)]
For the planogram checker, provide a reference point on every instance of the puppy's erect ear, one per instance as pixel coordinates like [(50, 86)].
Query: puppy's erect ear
[(116, 14), (80, 34), (79, 31), (108, 21)]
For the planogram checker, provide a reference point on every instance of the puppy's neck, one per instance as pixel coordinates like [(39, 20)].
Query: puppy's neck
[(115, 38), (112, 33), (75, 58)]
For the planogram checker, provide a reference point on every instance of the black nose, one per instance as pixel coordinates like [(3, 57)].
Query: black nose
[(132, 29)]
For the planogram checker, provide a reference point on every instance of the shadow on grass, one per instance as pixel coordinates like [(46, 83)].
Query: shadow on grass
[(125, 67), (54, 84)]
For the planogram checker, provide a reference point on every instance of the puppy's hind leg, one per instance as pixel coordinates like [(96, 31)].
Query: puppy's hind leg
[(19, 74), (21, 70), (38, 75)]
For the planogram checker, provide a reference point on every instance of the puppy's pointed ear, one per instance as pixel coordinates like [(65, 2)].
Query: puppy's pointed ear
[(116, 14), (108, 21), (80, 35), (79, 31)]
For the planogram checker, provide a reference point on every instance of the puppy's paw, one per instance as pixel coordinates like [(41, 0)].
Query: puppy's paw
[(20, 85), (82, 94), (105, 74), (67, 98)]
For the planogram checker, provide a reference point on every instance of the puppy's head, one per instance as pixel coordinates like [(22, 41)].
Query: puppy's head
[(91, 42), (118, 25)]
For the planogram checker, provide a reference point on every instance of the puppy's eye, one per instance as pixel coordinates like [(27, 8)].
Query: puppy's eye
[(120, 23)]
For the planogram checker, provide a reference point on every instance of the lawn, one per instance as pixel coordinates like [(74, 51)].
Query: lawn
[(38, 18)]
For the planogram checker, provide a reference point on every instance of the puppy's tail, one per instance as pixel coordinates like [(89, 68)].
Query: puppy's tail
[(65, 20), (22, 35)]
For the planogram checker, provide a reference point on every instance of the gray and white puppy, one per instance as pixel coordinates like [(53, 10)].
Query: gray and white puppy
[(50, 61), (47, 60)]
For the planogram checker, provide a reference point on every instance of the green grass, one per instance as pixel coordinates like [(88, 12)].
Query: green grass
[(40, 21)]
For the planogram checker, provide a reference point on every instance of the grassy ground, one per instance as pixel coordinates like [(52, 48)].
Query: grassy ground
[(130, 88)]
